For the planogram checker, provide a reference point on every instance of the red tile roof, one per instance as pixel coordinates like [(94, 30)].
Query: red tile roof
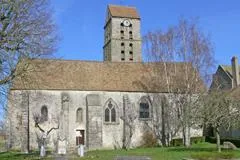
[(123, 11)]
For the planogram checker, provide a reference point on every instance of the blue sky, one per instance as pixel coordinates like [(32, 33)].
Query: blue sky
[(80, 24)]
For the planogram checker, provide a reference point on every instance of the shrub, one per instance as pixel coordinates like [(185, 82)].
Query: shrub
[(212, 155), (149, 140), (194, 140), (235, 141)]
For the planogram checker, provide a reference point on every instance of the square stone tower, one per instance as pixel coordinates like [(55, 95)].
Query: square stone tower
[(122, 38)]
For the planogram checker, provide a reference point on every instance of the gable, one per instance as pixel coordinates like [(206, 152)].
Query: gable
[(227, 69), (222, 79)]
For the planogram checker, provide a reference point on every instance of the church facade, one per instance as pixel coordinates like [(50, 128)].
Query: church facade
[(92, 103)]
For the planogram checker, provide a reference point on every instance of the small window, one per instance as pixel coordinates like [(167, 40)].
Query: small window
[(122, 24), (123, 59), (130, 52), (130, 45), (130, 59), (144, 109), (44, 113), (130, 35), (79, 115), (122, 44), (122, 52), (122, 34)]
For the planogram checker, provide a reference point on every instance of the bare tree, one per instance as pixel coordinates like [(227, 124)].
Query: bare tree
[(164, 123), (27, 31), (184, 43), (42, 138)]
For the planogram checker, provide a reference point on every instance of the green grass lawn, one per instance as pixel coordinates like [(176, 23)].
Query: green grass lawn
[(200, 151)]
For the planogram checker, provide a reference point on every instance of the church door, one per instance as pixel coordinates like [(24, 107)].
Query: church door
[(80, 137)]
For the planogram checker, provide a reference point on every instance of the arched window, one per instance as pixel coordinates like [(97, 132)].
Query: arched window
[(130, 35), (79, 115), (44, 113), (107, 115), (122, 34), (144, 109), (122, 55), (113, 115), (110, 112)]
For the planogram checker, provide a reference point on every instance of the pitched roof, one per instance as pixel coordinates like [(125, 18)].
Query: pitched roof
[(123, 11), (228, 69), (101, 76)]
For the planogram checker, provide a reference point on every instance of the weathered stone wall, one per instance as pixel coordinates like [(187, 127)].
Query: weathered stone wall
[(94, 121), (116, 40), (113, 40), (98, 133)]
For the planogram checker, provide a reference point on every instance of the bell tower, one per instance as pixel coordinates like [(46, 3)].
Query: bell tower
[(122, 38)]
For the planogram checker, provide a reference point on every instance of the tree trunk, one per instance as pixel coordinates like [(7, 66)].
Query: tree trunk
[(42, 151), (188, 136), (163, 127), (218, 139), (124, 125), (184, 135), (187, 127)]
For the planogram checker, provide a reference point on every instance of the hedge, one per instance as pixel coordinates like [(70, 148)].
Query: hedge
[(179, 141), (235, 141)]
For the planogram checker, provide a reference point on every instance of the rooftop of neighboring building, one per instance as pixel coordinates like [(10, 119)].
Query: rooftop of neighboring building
[(228, 69)]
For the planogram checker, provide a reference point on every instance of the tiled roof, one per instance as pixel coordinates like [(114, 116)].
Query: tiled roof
[(102, 76), (123, 11)]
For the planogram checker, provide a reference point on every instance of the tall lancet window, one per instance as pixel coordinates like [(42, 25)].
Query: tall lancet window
[(110, 112), (44, 113), (144, 108), (79, 115)]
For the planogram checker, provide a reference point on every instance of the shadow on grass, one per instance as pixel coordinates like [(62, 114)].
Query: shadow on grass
[(18, 155), (182, 149)]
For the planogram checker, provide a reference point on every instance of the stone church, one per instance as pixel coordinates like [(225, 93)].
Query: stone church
[(91, 102)]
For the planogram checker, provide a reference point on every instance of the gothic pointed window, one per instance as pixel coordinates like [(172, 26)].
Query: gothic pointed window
[(107, 115), (44, 113), (79, 115), (110, 112), (144, 109), (113, 115)]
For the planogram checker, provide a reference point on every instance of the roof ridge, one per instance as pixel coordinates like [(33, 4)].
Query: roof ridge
[(116, 5), (95, 61)]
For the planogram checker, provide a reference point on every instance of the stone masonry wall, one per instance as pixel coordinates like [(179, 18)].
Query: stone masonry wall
[(99, 134)]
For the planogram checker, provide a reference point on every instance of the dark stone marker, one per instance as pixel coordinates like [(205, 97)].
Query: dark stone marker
[(132, 158)]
